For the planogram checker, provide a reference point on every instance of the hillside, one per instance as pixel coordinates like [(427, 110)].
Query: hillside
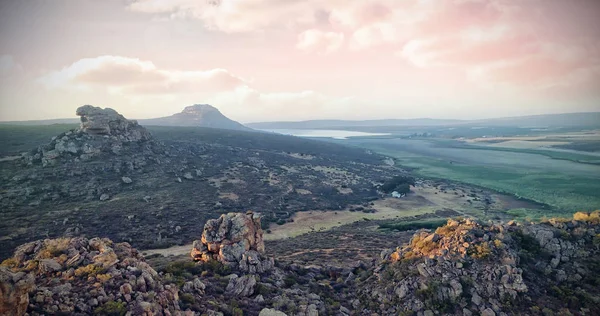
[(463, 268), (160, 186)]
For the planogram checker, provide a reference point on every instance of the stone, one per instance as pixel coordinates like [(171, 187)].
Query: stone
[(271, 312), (488, 312), (234, 239), (49, 266), (126, 180), (188, 176), (14, 292), (98, 121), (242, 286), (104, 197), (476, 299)]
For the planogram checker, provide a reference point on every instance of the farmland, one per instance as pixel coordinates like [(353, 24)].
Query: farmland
[(567, 181)]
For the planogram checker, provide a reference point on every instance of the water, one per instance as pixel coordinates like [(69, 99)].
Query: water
[(327, 133)]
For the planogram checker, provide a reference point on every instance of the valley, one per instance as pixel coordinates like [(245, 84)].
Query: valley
[(316, 215)]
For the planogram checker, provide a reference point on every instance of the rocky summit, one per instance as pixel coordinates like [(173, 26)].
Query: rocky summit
[(101, 131), (462, 268), (199, 115)]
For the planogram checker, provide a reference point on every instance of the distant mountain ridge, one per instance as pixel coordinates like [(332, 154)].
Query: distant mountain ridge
[(545, 120), (205, 115), (201, 115)]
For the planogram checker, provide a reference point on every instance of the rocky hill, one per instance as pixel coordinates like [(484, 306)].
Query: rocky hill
[(110, 177), (202, 115), (462, 268)]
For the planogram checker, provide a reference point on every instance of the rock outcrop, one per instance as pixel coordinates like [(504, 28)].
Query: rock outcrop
[(462, 268), (235, 240), (79, 276), (470, 268), (98, 121), (101, 131), (14, 291)]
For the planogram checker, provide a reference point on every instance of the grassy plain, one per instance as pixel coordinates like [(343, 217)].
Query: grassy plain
[(567, 181)]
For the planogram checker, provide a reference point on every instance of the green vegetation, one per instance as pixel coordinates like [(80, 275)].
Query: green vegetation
[(480, 251), (111, 308), (15, 139), (568, 182), (413, 225), (398, 183)]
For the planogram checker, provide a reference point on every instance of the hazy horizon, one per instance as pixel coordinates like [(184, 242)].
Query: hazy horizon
[(326, 119), (268, 60)]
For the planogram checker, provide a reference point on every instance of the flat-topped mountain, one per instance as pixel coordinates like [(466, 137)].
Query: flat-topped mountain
[(203, 115)]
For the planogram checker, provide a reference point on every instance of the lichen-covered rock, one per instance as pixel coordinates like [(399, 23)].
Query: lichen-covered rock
[(14, 291), (234, 239), (80, 276), (470, 268)]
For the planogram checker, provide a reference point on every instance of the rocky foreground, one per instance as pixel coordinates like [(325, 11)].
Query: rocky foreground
[(462, 268)]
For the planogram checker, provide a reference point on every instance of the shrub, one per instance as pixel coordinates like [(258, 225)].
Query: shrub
[(187, 298), (89, 270), (290, 281), (398, 183), (593, 217), (10, 262), (413, 225), (111, 308), (480, 251), (103, 278)]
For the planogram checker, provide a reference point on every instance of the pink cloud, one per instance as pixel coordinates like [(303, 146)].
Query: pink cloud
[(534, 43), (315, 40), (130, 75)]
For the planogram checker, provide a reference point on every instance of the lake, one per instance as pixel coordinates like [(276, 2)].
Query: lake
[(326, 133)]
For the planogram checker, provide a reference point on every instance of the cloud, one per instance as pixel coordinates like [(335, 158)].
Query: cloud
[(254, 105), (314, 40), (8, 65), (126, 75), (511, 41), (234, 16)]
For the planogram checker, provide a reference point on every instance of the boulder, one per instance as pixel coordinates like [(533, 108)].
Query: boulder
[(234, 239), (14, 291), (241, 286), (271, 312), (98, 121)]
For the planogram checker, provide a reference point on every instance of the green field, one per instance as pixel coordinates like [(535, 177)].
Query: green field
[(568, 182)]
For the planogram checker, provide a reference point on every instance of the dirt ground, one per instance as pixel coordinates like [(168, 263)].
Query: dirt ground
[(429, 199)]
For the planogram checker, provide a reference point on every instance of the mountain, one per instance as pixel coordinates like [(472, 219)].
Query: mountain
[(202, 115), (591, 119), (332, 124), (199, 115)]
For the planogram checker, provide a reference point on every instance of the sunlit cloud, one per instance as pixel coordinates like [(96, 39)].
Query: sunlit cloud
[(476, 36), (315, 40), (126, 75)]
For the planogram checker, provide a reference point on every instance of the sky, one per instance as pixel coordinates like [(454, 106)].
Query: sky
[(268, 60)]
